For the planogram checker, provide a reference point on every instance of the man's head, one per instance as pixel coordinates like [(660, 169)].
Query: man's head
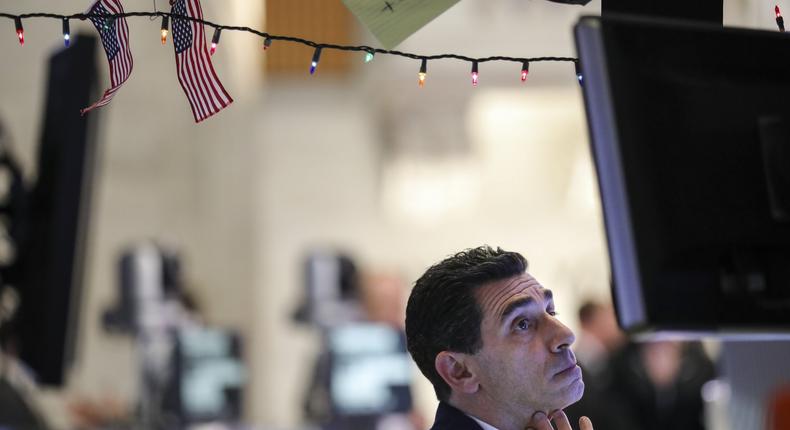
[(478, 324), (599, 321)]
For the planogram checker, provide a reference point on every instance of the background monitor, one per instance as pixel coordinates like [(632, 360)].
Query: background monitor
[(690, 134), (48, 272), (370, 370), (331, 294), (209, 375)]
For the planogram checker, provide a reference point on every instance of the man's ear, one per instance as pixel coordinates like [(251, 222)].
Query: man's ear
[(454, 368)]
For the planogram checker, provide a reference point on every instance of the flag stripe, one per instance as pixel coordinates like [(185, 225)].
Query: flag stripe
[(210, 82), (224, 99), (188, 64), (119, 72), (114, 75), (184, 82), (126, 56), (200, 66), (195, 82), (200, 82), (192, 93), (194, 69), (115, 41), (196, 99)]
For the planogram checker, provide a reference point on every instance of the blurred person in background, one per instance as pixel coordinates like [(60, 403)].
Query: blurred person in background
[(599, 340), (662, 381), (383, 297), (649, 386)]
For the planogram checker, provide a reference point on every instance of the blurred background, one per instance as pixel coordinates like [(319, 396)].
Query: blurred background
[(298, 217)]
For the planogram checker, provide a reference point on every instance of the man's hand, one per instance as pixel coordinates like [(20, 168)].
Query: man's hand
[(541, 422)]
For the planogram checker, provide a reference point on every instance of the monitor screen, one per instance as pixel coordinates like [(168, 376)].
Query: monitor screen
[(210, 374), (371, 370), (690, 133)]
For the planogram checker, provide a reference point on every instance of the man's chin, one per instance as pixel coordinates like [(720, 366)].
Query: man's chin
[(573, 393), (576, 392)]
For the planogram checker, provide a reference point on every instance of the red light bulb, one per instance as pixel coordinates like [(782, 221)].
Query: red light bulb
[(20, 31), (215, 40), (780, 22)]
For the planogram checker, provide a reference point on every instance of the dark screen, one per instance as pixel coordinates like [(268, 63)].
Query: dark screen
[(52, 256), (701, 117)]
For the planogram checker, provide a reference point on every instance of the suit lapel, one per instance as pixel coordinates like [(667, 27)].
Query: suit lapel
[(450, 418)]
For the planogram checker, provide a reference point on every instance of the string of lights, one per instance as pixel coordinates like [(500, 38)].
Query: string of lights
[(268, 39)]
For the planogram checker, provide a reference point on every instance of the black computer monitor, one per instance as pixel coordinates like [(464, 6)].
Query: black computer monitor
[(690, 134), (48, 273)]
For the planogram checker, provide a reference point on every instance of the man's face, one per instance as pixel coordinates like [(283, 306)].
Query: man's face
[(526, 361)]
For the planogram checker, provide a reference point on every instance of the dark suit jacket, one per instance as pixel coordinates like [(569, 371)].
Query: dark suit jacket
[(450, 418)]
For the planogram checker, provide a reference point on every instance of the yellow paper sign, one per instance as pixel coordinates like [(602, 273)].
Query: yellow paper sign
[(392, 21)]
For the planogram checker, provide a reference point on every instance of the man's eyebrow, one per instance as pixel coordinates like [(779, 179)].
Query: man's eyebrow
[(516, 305), (513, 306)]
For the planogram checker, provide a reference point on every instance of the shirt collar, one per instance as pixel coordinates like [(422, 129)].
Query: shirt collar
[(482, 423)]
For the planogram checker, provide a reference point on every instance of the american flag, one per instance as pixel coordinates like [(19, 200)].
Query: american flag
[(115, 38), (205, 92)]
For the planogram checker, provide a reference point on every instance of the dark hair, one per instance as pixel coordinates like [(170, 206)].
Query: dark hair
[(443, 313), (587, 311)]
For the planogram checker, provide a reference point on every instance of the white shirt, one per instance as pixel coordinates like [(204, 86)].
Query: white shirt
[(482, 423)]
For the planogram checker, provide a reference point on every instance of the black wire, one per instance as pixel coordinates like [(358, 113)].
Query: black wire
[(362, 48)]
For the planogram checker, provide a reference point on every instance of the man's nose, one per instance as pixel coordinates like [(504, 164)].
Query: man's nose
[(562, 337)]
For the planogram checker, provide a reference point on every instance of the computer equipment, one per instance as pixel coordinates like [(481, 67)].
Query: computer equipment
[(48, 273), (331, 290), (690, 135), (209, 375), (370, 370)]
